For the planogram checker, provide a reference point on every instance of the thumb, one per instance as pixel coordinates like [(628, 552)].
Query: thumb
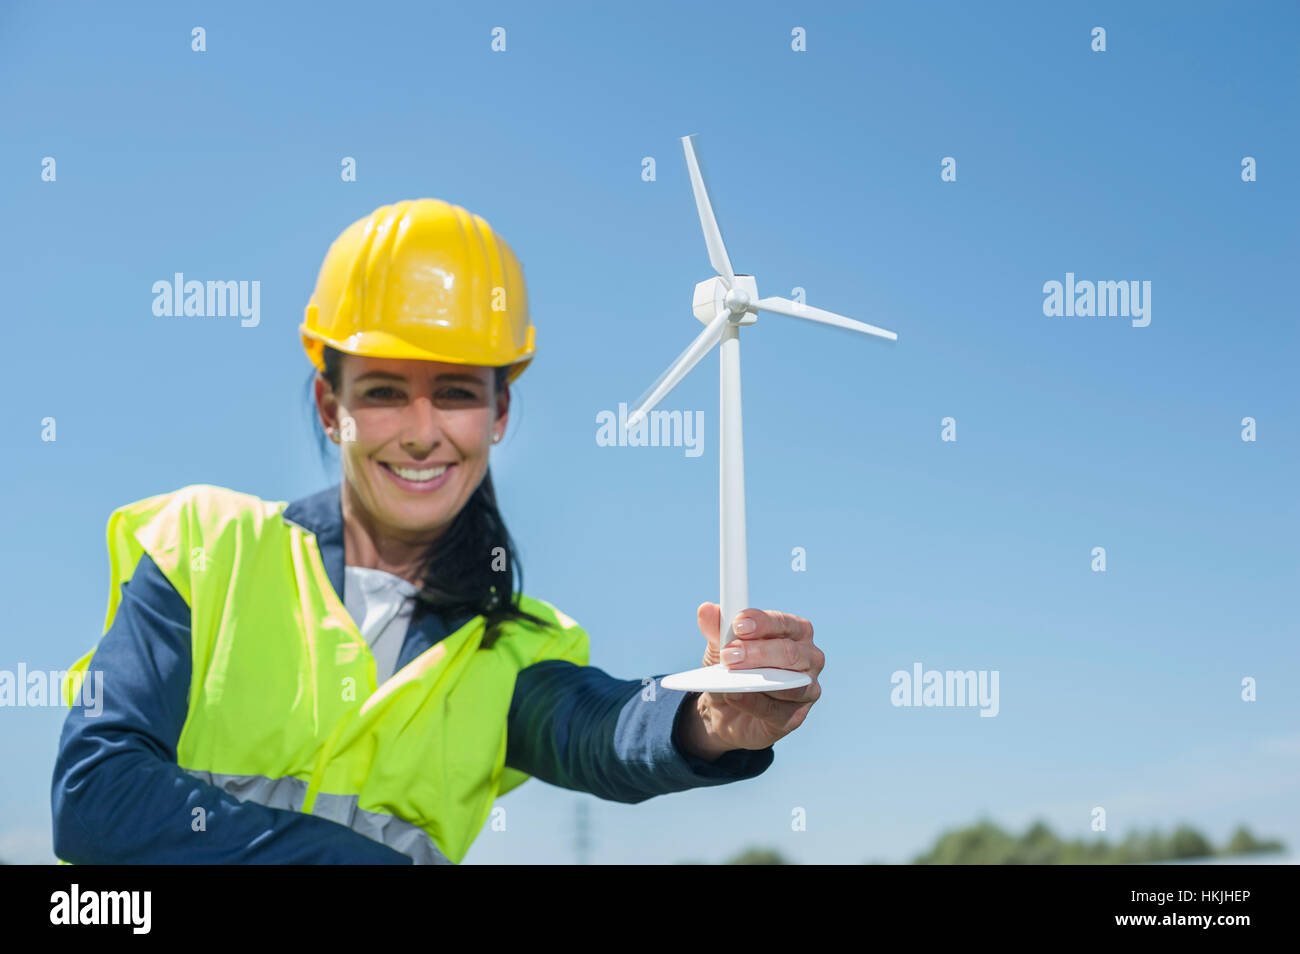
[(709, 616)]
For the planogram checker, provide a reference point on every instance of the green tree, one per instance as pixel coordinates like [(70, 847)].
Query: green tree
[(1038, 846), (1186, 842), (1244, 843), (982, 844), (758, 856)]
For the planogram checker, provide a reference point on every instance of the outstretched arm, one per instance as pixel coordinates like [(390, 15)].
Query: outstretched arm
[(580, 728)]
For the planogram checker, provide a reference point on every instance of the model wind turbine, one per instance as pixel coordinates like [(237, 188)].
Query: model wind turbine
[(725, 304)]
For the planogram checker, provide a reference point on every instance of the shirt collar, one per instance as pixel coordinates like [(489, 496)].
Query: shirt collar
[(321, 514)]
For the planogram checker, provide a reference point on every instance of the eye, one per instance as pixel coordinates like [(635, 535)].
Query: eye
[(379, 392), (460, 391)]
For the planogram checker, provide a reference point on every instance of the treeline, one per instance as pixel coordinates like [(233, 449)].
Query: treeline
[(984, 843)]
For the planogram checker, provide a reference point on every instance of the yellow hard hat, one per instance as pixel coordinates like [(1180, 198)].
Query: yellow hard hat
[(421, 279)]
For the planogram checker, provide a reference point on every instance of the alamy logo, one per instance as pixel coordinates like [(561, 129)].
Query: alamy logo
[(41, 687), (657, 429), (1098, 299), (102, 907), (951, 687), (193, 299)]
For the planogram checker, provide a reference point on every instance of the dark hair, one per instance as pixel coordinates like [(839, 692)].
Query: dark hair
[(465, 570)]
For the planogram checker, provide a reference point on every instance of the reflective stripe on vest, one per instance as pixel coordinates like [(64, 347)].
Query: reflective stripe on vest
[(288, 793), (282, 683)]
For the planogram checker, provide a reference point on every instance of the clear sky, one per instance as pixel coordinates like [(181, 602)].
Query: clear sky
[(1120, 689)]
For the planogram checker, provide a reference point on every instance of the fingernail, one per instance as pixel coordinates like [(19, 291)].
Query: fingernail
[(743, 625), (733, 654)]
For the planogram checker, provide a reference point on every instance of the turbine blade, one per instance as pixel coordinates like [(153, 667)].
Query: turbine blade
[(784, 306), (688, 359), (712, 235)]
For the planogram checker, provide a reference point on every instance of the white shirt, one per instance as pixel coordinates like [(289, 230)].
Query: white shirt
[(381, 605)]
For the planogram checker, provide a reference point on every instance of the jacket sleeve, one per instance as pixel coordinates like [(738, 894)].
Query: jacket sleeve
[(118, 795), (579, 728)]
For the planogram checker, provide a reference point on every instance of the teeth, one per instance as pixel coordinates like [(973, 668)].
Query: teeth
[(418, 475)]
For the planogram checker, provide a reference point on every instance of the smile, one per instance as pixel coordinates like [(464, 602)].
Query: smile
[(429, 478)]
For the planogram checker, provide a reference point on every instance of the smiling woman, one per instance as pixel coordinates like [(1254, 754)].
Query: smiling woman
[(356, 676)]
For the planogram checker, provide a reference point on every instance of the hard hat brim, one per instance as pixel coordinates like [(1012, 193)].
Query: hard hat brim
[(382, 344)]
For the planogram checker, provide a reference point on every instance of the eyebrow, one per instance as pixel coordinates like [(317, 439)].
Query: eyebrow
[(390, 376)]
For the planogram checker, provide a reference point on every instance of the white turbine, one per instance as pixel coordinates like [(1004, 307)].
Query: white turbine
[(724, 304)]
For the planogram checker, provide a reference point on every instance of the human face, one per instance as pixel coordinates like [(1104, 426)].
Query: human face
[(419, 416)]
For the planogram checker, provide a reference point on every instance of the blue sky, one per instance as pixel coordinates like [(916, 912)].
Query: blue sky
[(1118, 689)]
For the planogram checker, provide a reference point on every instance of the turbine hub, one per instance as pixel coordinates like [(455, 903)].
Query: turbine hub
[(737, 301), (712, 294)]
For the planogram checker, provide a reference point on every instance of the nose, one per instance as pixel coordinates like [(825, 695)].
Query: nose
[(421, 427)]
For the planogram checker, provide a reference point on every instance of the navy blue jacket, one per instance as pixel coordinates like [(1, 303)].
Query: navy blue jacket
[(119, 797)]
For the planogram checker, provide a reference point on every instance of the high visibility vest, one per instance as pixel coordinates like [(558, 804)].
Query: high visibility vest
[(284, 708)]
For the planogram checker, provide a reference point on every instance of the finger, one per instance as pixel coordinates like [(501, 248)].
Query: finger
[(799, 716), (778, 652), (809, 693), (709, 616), (762, 706), (771, 623)]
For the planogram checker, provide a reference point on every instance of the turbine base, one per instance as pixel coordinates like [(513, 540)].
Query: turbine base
[(719, 678)]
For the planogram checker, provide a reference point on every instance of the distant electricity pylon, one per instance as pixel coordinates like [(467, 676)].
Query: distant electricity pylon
[(582, 833)]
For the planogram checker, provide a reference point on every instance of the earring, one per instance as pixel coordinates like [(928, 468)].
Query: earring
[(495, 438), (334, 435)]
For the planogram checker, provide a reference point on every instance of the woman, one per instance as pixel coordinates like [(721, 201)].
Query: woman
[(355, 676)]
